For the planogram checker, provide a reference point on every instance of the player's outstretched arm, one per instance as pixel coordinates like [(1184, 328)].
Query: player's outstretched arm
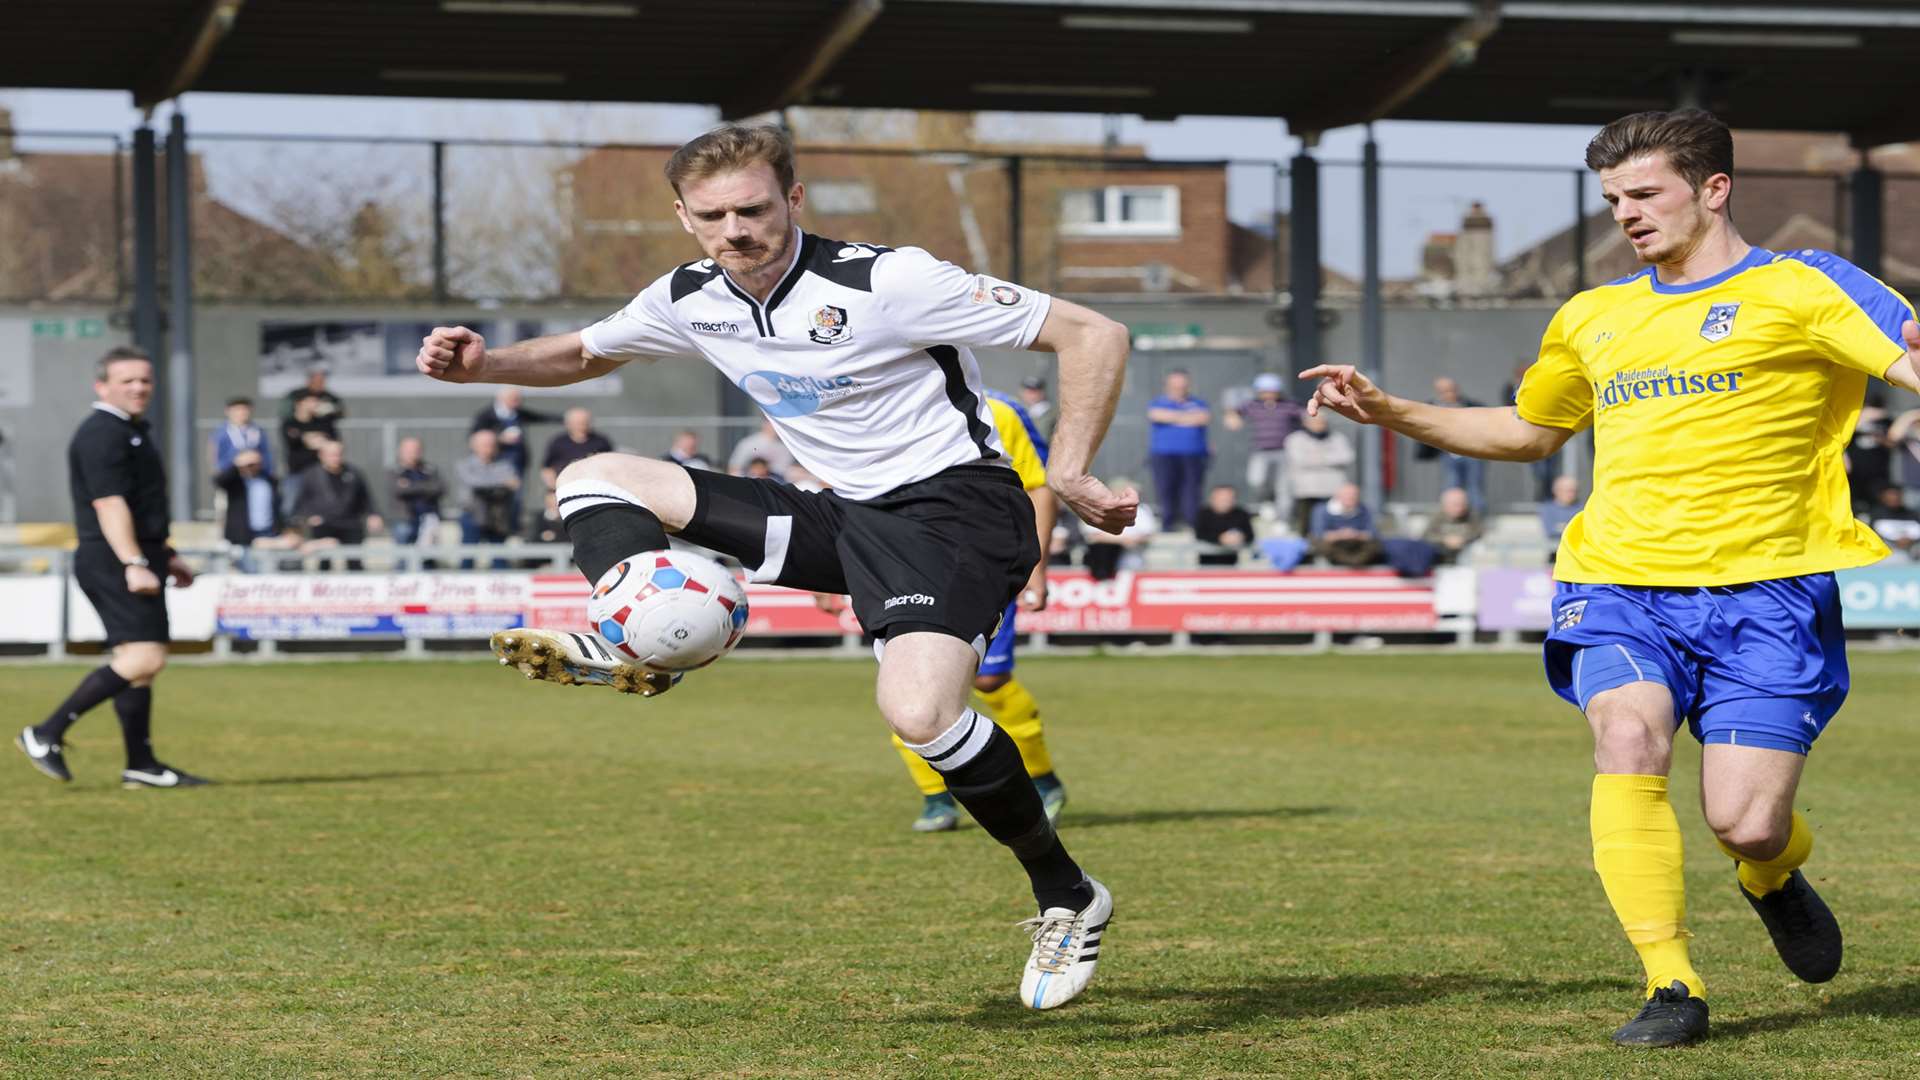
[(459, 355), (1495, 433), (1093, 363)]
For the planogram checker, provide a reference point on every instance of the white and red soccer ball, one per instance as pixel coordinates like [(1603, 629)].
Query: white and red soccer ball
[(669, 610)]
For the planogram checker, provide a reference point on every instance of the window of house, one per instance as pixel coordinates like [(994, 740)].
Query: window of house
[(841, 197), (1121, 211)]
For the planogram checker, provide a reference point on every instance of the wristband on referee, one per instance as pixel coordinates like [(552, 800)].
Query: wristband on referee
[(141, 561)]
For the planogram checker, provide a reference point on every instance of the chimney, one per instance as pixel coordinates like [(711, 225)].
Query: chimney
[(1473, 269)]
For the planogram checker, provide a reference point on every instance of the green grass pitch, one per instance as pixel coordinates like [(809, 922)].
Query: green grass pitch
[(1349, 865)]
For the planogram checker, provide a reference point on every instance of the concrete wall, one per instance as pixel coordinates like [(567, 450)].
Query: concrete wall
[(1237, 340)]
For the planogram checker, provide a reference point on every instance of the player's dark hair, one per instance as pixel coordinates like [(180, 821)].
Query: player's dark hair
[(114, 356), (1695, 142), (730, 147)]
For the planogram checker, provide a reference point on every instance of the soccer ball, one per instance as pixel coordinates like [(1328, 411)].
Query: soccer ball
[(669, 610)]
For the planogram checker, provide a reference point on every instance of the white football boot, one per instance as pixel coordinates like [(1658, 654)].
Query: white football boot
[(576, 659), (1066, 948)]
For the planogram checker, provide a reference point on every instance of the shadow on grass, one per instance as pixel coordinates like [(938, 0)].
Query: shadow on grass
[(1074, 820), (1888, 1001), (356, 778), (1272, 999)]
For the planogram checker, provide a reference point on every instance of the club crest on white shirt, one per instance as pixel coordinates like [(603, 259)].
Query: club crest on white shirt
[(830, 326)]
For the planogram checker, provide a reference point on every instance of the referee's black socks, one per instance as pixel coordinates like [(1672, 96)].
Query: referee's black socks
[(135, 707), (984, 773), (100, 684)]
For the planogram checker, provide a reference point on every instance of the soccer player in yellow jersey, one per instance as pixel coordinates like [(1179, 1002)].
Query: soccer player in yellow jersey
[(1003, 695), (1722, 382)]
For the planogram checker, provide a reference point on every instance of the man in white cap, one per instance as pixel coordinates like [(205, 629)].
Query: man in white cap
[(1270, 418)]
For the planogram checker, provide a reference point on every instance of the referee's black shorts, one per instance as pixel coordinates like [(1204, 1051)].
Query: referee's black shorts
[(945, 554), (127, 616)]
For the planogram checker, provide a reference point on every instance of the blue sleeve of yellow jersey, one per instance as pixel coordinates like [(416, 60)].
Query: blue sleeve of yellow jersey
[(1021, 453), (1851, 316), (1555, 392)]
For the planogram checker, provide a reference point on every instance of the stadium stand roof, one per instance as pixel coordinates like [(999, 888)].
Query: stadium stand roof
[(1839, 65)]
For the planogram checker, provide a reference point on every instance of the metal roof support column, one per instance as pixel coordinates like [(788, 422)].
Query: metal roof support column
[(1579, 231), (1867, 224), (1303, 261), (1373, 352), (182, 469), (146, 246)]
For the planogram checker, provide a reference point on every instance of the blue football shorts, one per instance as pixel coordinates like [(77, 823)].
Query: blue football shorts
[(1762, 664), (999, 658)]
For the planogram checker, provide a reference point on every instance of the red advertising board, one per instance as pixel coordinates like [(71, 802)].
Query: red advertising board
[(1148, 602)]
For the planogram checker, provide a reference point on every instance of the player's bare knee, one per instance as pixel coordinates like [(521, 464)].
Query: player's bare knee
[(1753, 834), (917, 721), (663, 487), (139, 662), (1624, 742)]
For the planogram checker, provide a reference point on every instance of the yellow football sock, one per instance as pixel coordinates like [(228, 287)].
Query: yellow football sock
[(1761, 878), (925, 776), (1019, 715), (1637, 852)]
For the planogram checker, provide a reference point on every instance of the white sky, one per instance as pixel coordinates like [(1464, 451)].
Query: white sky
[(1526, 207)]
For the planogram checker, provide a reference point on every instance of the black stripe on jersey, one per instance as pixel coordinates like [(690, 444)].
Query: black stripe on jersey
[(963, 397), (854, 271), (809, 243), (691, 278), (752, 305)]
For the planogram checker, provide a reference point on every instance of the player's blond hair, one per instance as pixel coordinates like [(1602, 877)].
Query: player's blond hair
[(1695, 142), (731, 147)]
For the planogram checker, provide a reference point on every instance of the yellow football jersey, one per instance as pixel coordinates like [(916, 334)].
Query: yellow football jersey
[(1021, 452), (1720, 411)]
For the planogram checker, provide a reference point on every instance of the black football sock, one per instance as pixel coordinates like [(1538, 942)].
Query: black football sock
[(982, 768), (607, 531), (100, 684), (135, 706)]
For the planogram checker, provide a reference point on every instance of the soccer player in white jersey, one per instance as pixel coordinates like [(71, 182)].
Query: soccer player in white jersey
[(859, 356)]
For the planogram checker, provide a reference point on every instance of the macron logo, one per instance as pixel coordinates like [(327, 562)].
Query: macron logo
[(716, 327), (921, 599)]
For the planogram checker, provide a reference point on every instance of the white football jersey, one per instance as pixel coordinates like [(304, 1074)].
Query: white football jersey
[(859, 356)]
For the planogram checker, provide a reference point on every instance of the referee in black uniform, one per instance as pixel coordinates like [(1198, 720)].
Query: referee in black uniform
[(120, 513)]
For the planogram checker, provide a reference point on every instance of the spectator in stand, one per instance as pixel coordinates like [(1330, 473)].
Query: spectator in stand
[(1548, 467), (330, 407), (1870, 454), (253, 508), (416, 488), (305, 432), (575, 442), (1905, 435), (334, 506), (1177, 449), (1453, 528), (489, 485), (546, 526), (1269, 418), (302, 435), (1033, 395), (1225, 522), (1342, 531), (1897, 525), (1317, 462), (1557, 513), (685, 451), (240, 433), (1108, 554), (1457, 470), (508, 418), (758, 469), (764, 444)]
